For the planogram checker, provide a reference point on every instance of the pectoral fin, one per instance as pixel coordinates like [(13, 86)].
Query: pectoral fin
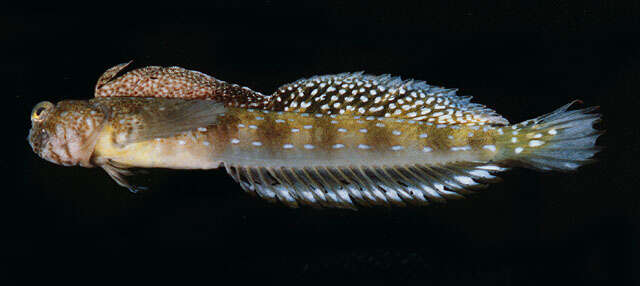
[(171, 117)]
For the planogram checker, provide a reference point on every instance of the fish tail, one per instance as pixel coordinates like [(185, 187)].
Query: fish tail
[(562, 140)]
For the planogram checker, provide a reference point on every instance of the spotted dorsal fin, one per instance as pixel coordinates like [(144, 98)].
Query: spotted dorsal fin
[(360, 94), (174, 82)]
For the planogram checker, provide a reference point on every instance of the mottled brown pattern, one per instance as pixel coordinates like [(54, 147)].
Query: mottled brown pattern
[(174, 82), (325, 141), (63, 133), (220, 134)]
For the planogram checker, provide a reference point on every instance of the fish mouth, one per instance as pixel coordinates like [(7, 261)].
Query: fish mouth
[(34, 141)]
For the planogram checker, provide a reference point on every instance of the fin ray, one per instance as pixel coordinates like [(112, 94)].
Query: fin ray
[(381, 96), (349, 186), (174, 82), (170, 118)]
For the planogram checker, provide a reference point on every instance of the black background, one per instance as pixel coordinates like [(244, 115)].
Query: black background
[(523, 60)]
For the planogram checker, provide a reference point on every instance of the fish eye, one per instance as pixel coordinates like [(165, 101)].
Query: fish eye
[(40, 111)]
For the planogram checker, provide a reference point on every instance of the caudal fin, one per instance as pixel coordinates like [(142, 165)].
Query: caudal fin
[(562, 140)]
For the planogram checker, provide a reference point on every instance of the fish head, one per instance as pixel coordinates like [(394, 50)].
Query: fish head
[(66, 133)]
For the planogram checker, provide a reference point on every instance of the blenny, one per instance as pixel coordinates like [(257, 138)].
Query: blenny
[(327, 141)]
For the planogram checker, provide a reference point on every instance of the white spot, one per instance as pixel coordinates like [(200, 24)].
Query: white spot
[(380, 124), (202, 129), (397, 148), (500, 131), (364, 98), (450, 137), (182, 142), (363, 130), (330, 89), (342, 91), (514, 139), (515, 132), (308, 146), (294, 130), (253, 127), (342, 130), (372, 92), (553, 132), (235, 141), (537, 135), (363, 146), (256, 143), (519, 150), (307, 127), (314, 91), (461, 148), (259, 118), (470, 134), (277, 121), (396, 132), (205, 143), (337, 146), (491, 148), (287, 146), (426, 149), (423, 135), (362, 110), (535, 143)]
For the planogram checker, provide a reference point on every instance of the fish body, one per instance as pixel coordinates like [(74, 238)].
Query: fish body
[(328, 141)]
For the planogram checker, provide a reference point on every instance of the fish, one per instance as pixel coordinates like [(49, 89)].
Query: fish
[(344, 140)]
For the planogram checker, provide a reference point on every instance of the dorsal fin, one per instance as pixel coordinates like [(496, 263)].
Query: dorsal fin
[(368, 95), (174, 82)]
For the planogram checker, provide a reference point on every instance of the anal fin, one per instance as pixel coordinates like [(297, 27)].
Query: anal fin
[(352, 186)]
